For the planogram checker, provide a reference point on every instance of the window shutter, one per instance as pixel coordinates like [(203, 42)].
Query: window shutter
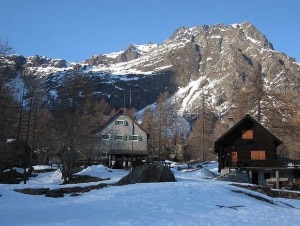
[(116, 122), (124, 137), (258, 155), (247, 135), (126, 123), (140, 138)]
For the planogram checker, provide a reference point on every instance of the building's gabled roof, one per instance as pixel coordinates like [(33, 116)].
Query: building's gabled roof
[(236, 126), (116, 115)]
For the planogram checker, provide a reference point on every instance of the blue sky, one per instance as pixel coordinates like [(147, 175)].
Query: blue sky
[(77, 29)]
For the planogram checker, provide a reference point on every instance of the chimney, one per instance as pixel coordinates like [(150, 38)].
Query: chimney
[(230, 121)]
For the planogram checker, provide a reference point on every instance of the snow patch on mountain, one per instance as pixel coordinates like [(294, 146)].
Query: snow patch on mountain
[(17, 84), (143, 49), (45, 71), (113, 55)]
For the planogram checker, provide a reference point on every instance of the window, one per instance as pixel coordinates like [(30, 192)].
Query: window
[(247, 135), (136, 138), (258, 155), (121, 122), (118, 137), (105, 137)]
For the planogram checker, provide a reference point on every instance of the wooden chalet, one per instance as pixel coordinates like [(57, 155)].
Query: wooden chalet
[(251, 147), (121, 142), (247, 143)]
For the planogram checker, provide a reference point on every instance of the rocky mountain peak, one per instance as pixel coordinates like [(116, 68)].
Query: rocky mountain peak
[(212, 63), (40, 61), (131, 53), (225, 56)]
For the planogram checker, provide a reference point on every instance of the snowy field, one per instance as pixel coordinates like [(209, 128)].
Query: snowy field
[(193, 200)]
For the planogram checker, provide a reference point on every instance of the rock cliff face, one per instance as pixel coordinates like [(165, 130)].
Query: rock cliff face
[(218, 59)]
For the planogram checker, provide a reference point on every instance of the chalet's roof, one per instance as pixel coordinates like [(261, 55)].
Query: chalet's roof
[(247, 117), (116, 115)]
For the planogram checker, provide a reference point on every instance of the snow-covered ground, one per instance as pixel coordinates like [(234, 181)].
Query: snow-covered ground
[(192, 200)]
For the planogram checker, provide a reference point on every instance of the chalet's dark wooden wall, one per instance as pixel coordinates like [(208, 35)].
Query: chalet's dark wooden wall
[(262, 141)]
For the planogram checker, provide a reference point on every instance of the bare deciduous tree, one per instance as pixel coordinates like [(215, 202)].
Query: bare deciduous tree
[(201, 138), (75, 118), (5, 48)]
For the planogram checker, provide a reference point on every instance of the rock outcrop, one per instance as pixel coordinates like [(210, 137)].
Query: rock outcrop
[(148, 173)]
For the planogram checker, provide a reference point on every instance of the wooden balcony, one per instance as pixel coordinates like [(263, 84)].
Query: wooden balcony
[(280, 163), (253, 163)]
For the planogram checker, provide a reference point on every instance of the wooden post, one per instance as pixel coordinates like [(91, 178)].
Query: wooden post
[(250, 177), (109, 161), (277, 179)]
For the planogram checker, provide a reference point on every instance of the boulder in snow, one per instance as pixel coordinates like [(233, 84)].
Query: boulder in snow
[(148, 173)]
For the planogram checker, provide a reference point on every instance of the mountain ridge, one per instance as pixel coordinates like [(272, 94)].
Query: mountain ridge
[(208, 71), (225, 54)]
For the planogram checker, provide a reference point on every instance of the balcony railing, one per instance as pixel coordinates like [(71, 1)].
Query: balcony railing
[(288, 163), (265, 163)]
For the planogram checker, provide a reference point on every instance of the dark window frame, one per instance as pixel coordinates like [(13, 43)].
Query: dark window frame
[(136, 137), (105, 136)]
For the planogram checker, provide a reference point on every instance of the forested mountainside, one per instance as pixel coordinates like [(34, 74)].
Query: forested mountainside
[(198, 77)]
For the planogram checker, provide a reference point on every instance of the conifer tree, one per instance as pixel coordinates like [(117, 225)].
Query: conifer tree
[(8, 122), (200, 139), (270, 106)]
